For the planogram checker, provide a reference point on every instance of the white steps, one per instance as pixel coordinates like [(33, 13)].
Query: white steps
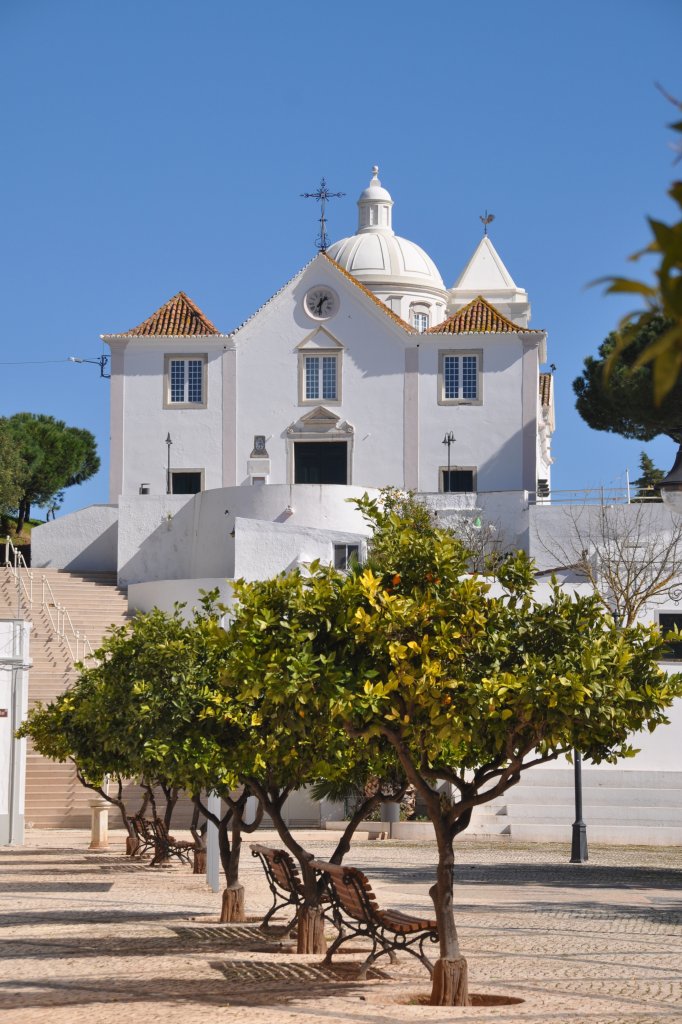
[(620, 807)]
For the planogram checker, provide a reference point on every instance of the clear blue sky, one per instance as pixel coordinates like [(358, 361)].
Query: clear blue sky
[(157, 145)]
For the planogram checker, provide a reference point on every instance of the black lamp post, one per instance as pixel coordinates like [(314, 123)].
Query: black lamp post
[(168, 471), (448, 440), (579, 841)]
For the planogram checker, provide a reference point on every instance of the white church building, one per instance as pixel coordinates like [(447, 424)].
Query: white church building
[(234, 453)]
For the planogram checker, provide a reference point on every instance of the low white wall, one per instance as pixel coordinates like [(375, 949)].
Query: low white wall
[(163, 594), (266, 549), (82, 541), (175, 537)]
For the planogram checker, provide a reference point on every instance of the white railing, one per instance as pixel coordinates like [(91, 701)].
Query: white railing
[(76, 642), (595, 496)]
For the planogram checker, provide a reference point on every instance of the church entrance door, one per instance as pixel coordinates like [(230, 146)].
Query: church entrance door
[(320, 462)]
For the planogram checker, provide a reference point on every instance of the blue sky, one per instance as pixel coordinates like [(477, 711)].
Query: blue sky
[(158, 145)]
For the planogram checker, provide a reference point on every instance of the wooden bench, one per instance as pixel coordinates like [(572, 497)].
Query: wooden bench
[(357, 914), (141, 834), (284, 881), (167, 846)]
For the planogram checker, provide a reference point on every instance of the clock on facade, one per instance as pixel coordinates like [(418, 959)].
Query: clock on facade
[(321, 303)]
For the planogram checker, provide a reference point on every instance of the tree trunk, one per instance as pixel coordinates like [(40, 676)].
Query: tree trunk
[(233, 904), (24, 512), (449, 987), (171, 796), (132, 845), (449, 983), (310, 930), (199, 867)]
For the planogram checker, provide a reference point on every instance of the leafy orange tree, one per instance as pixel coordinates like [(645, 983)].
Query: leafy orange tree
[(272, 717), (464, 679)]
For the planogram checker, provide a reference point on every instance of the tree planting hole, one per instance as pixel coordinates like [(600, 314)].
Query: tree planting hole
[(475, 999)]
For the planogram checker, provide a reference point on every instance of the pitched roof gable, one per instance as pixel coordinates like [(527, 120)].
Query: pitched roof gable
[(179, 317), (479, 317), (545, 388), (382, 305)]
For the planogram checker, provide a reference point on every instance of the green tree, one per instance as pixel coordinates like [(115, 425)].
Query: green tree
[(648, 484), (53, 457), (474, 685), (11, 472), (662, 299), (273, 719), (623, 402)]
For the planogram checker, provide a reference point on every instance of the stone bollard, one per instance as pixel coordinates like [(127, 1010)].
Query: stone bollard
[(99, 827)]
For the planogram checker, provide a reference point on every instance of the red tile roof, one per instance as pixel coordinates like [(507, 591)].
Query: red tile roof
[(179, 317), (479, 317), (545, 388)]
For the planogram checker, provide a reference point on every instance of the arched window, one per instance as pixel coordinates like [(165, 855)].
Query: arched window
[(420, 320)]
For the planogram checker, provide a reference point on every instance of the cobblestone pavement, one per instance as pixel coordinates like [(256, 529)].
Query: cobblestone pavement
[(96, 938)]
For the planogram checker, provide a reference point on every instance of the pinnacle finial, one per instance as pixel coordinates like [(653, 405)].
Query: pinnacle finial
[(375, 174)]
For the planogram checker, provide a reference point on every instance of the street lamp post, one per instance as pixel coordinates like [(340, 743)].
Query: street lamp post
[(579, 840), (168, 469), (448, 440)]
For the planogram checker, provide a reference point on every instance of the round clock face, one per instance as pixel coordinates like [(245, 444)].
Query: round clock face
[(321, 303)]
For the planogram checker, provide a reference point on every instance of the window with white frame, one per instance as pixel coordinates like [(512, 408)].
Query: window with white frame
[(185, 382), (319, 377), (459, 377), (345, 556), (420, 321)]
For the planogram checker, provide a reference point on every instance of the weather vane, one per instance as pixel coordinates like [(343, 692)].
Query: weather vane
[(487, 219), (323, 195)]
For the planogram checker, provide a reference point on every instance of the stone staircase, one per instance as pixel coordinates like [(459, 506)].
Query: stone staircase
[(54, 797), (620, 807)]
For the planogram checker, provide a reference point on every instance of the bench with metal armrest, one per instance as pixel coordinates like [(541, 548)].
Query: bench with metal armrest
[(357, 914), (284, 880)]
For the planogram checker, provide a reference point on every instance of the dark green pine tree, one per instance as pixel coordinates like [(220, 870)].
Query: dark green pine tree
[(648, 484), (624, 403)]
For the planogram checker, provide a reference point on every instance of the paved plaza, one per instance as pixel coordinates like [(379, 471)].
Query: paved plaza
[(97, 938)]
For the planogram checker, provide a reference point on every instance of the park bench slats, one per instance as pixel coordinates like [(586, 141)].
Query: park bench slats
[(357, 913), (284, 881)]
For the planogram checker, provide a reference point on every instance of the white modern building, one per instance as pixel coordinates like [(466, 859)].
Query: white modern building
[(234, 453)]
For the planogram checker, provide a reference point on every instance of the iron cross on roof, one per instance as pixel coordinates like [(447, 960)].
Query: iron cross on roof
[(323, 195)]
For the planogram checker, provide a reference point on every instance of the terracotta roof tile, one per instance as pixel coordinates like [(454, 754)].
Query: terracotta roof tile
[(545, 388), (479, 317), (179, 317), (382, 305)]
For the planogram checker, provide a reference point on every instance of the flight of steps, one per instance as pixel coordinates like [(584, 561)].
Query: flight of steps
[(620, 806), (54, 797)]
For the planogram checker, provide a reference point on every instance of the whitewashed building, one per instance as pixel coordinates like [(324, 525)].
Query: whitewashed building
[(234, 453)]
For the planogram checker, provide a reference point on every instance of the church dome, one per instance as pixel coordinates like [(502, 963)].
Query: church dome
[(377, 256)]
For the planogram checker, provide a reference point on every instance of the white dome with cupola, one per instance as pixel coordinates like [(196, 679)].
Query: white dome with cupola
[(396, 270)]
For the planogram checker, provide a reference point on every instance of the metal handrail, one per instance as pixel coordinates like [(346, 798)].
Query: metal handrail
[(15, 562), (76, 642)]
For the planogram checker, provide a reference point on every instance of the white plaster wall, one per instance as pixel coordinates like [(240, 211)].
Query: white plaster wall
[(175, 537), (163, 594), (197, 434), (488, 435), (266, 549), (82, 541), (372, 378), (551, 526), (507, 511), (152, 538)]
